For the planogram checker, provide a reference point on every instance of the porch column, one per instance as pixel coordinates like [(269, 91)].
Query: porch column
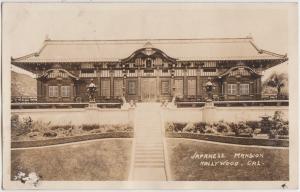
[(139, 84), (72, 91), (157, 85), (59, 92), (185, 87), (198, 89), (46, 92), (225, 90), (111, 74), (238, 90)]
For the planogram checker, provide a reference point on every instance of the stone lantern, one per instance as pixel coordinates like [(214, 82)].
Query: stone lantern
[(266, 124), (209, 87), (91, 91)]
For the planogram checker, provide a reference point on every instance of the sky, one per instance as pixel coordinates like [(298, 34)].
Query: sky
[(26, 26)]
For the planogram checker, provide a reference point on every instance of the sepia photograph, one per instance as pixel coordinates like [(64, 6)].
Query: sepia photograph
[(149, 95)]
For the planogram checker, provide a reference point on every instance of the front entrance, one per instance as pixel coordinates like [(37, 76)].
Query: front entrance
[(148, 89)]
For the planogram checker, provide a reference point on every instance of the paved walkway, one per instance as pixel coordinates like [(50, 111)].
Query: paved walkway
[(149, 163)]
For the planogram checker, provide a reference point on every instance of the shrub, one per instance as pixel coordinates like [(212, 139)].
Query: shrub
[(222, 127), (190, 127), (253, 124), (169, 127), (89, 127), (273, 134), (179, 126), (65, 127), (256, 131), (210, 130), (20, 127), (200, 127), (50, 134)]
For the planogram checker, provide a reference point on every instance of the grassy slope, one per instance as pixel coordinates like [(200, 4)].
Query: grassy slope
[(98, 160), (184, 168)]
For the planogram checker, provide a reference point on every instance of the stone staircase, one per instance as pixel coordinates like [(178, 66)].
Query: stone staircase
[(149, 162)]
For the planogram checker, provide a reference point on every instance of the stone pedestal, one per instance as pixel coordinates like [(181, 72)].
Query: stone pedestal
[(209, 104), (209, 112), (92, 105), (125, 106)]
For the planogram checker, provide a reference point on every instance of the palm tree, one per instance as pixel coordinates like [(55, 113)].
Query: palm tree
[(277, 81)]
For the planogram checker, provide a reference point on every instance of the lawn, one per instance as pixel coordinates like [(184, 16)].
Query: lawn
[(204, 161), (98, 160)]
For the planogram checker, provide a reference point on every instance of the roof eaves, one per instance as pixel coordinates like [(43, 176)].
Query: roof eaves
[(19, 59)]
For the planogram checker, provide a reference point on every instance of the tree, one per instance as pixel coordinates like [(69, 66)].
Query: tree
[(277, 81)]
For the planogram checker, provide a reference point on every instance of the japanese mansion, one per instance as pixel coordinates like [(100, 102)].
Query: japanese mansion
[(149, 69)]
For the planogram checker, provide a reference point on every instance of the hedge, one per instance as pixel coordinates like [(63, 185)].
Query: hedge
[(231, 139), (55, 141)]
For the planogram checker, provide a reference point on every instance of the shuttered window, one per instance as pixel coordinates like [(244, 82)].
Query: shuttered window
[(105, 88), (244, 89), (53, 91), (132, 87), (178, 87), (65, 91), (232, 89), (118, 87), (191, 87), (165, 87)]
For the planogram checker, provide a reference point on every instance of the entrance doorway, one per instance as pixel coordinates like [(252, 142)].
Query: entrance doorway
[(148, 89)]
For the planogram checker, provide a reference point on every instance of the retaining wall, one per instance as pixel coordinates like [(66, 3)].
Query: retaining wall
[(215, 114), (78, 116), (232, 140)]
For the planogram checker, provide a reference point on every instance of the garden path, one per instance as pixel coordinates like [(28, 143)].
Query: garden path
[(149, 163)]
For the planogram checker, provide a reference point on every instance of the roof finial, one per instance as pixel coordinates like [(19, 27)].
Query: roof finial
[(148, 45)]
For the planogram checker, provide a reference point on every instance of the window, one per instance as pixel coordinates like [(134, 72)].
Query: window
[(232, 89), (244, 89), (191, 87), (65, 91), (53, 91), (165, 70), (165, 87), (105, 88), (178, 87), (118, 87), (131, 87)]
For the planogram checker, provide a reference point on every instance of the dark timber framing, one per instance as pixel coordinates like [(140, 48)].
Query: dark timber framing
[(148, 73)]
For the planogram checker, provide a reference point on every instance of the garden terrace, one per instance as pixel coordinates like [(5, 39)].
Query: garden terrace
[(236, 103), (62, 105)]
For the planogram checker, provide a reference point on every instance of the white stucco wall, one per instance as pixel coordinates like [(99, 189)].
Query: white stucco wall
[(182, 114), (78, 116), (215, 114)]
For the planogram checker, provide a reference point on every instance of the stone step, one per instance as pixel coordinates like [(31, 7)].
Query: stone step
[(150, 166), (150, 161)]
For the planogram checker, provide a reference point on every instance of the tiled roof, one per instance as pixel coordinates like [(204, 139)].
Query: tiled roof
[(180, 49)]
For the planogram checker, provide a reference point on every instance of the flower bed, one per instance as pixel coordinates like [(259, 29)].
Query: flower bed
[(55, 141), (28, 130), (231, 139), (274, 128)]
